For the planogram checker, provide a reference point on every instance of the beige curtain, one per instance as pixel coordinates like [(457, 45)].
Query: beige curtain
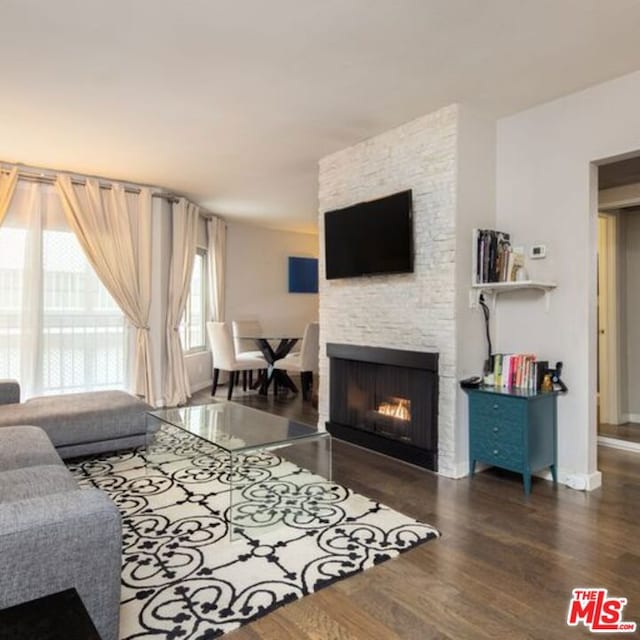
[(216, 256), (183, 237), (8, 183), (114, 229)]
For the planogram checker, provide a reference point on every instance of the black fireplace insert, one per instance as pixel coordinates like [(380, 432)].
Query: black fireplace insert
[(386, 400)]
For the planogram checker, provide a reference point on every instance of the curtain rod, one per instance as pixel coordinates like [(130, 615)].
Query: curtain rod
[(50, 179)]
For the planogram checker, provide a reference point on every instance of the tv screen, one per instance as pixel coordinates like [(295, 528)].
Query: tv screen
[(370, 238)]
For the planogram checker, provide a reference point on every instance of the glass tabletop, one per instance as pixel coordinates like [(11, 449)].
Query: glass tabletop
[(234, 427)]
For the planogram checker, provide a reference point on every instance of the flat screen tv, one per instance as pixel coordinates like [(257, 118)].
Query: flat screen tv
[(370, 238)]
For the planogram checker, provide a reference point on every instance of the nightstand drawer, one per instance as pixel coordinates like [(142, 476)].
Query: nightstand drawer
[(500, 454), (495, 408), (492, 429)]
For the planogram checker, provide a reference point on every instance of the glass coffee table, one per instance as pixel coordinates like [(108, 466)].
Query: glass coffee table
[(241, 432)]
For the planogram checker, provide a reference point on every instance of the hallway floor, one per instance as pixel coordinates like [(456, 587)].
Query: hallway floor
[(629, 432)]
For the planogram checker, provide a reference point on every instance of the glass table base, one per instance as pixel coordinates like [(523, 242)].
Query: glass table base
[(292, 494), (276, 472)]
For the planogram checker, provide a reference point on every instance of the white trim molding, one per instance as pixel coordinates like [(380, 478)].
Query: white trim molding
[(616, 443), (578, 481), (460, 470), (582, 481), (200, 385)]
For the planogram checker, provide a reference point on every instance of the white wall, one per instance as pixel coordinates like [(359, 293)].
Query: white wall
[(476, 165), (257, 277), (546, 192)]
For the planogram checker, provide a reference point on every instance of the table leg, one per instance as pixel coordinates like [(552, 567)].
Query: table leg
[(271, 355), (283, 380), (258, 382), (281, 351)]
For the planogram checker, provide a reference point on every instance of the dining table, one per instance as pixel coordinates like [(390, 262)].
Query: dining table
[(284, 343)]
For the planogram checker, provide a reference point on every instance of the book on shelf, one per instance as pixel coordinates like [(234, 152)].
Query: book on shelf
[(515, 263), (518, 371), (495, 259)]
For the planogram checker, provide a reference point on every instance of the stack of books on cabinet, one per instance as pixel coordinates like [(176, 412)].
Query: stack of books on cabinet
[(518, 371)]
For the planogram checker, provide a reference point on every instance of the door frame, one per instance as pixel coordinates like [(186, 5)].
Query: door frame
[(608, 343)]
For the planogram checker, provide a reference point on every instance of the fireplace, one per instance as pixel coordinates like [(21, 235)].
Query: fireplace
[(386, 400)]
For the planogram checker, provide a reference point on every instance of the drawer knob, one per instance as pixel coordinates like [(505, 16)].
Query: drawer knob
[(495, 406), (495, 452), (495, 429)]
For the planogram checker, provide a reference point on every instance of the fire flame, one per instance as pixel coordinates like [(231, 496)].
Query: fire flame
[(398, 408)]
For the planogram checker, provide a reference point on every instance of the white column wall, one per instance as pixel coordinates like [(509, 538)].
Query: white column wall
[(414, 311), (546, 193)]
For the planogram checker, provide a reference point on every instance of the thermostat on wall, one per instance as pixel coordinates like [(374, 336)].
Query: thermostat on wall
[(537, 251)]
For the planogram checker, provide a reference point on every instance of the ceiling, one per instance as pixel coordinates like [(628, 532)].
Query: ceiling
[(233, 102)]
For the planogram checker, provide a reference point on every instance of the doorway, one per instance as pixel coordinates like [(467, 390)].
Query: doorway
[(618, 380)]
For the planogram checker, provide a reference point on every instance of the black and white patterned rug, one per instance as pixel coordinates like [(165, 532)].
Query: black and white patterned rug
[(183, 579)]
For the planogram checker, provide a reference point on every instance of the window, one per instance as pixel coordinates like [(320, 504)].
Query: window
[(60, 330), (192, 327)]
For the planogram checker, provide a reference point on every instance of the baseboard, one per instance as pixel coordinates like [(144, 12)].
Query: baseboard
[(630, 417), (580, 481), (199, 386), (616, 443), (458, 470)]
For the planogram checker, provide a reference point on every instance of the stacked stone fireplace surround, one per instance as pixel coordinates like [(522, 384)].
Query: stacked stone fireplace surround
[(419, 311)]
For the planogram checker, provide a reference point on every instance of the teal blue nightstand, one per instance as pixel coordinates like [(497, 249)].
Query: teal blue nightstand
[(514, 430)]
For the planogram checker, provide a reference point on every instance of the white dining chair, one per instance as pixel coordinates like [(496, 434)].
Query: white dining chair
[(245, 347), (306, 361), (224, 356)]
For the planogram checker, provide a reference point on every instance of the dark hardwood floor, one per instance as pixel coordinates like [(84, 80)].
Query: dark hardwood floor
[(630, 432), (286, 404), (504, 567)]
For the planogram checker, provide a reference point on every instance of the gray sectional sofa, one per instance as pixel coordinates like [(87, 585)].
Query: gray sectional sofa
[(54, 535), (80, 423)]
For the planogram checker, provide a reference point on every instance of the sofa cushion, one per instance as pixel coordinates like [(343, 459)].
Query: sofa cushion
[(81, 417), (34, 482), (9, 392), (26, 446)]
